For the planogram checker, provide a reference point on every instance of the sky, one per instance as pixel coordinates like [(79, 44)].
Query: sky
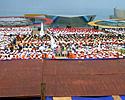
[(18, 7)]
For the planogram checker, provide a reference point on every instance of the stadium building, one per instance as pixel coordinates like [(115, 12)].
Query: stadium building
[(32, 75)]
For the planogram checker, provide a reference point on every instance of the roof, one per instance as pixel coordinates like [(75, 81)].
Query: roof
[(67, 15), (110, 23), (70, 20), (62, 77)]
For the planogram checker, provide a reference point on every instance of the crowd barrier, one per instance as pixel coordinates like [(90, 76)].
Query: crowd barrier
[(85, 59), (68, 59)]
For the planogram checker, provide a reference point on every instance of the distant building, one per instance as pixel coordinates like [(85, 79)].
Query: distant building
[(118, 13)]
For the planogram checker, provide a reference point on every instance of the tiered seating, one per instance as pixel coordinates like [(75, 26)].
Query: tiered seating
[(70, 43), (15, 30), (80, 46)]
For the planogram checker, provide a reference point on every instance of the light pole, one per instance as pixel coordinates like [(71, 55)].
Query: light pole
[(43, 84)]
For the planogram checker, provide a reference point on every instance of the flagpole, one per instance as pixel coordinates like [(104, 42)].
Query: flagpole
[(43, 84)]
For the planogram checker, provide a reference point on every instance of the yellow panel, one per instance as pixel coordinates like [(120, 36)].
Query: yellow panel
[(93, 23), (62, 98), (33, 15), (116, 97)]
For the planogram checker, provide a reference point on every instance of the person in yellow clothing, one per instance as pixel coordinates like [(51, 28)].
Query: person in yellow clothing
[(69, 55), (31, 56), (16, 56), (73, 55), (46, 55), (43, 55), (23, 56)]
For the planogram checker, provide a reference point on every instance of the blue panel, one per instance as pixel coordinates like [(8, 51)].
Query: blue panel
[(85, 18), (92, 98), (91, 19), (49, 98), (123, 97), (55, 18)]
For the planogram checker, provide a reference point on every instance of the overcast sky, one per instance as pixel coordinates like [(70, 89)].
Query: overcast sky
[(35, 6)]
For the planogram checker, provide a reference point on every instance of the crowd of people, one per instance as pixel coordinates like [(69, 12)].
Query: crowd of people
[(26, 47), (68, 44), (15, 30), (90, 46), (115, 30), (74, 31)]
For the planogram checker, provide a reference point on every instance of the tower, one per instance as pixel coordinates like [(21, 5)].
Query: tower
[(42, 29)]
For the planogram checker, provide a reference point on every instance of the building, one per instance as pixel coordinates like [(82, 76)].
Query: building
[(118, 13)]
